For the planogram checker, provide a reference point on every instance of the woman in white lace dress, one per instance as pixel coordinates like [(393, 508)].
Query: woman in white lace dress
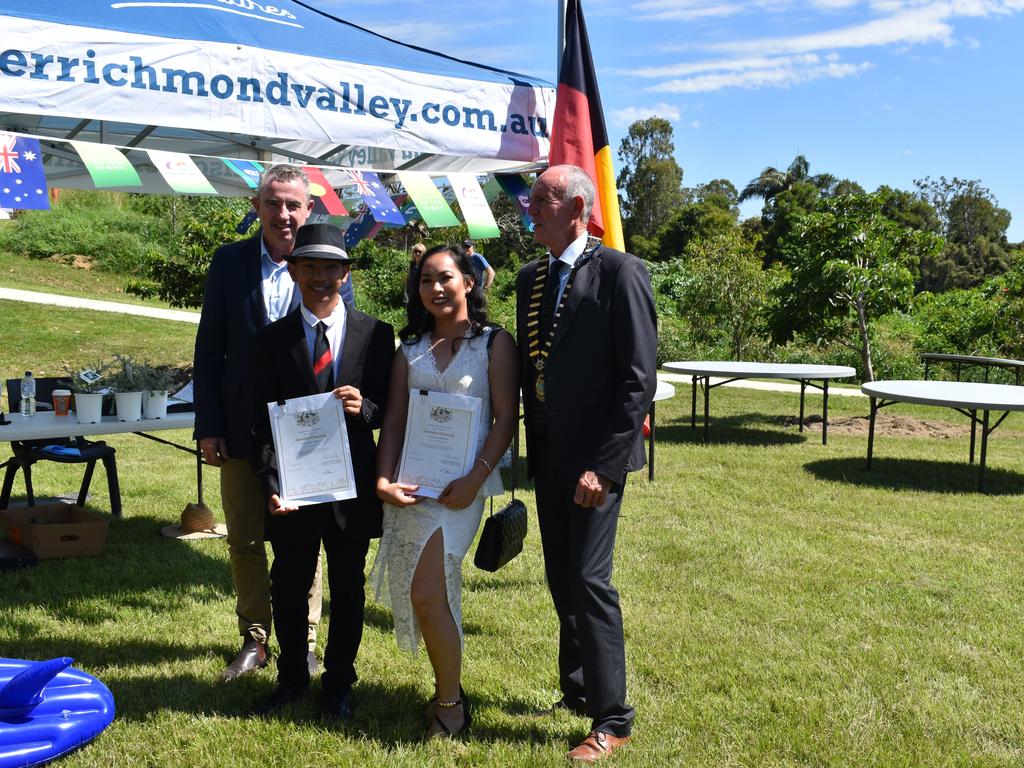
[(447, 347)]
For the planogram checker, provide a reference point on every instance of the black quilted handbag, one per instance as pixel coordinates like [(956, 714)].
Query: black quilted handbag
[(504, 530)]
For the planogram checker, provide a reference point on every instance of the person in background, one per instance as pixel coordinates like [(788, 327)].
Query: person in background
[(484, 272), (247, 287), (587, 340), (412, 279)]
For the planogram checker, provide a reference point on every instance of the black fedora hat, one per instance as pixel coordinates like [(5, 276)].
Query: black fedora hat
[(319, 241)]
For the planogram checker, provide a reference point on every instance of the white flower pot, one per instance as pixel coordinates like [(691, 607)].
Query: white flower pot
[(154, 404), (88, 408), (129, 405)]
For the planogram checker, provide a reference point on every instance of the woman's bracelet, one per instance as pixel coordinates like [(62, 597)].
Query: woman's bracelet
[(484, 461)]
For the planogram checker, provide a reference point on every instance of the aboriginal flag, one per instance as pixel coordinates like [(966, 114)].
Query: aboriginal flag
[(578, 135)]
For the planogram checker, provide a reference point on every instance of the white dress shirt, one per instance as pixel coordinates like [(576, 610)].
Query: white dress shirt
[(335, 323), (277, 286)]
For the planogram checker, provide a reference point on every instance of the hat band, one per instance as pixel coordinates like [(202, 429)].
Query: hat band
[(332, 249)]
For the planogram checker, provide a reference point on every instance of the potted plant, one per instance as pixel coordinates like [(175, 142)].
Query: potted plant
[(126, 383), (88, 386), (155, 380)]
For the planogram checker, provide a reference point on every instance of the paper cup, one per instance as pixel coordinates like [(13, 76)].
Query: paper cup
[(61, 402)]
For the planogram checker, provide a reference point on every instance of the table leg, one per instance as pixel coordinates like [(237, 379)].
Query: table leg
[(693, 404), (650, 448), (871, 430), (984, 448), (707, 396), (803, 387), (824, 412), (974, 427), (199, 474)]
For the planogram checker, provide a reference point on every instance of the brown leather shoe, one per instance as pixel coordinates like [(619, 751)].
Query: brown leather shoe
[(254, 655), (596, 746)]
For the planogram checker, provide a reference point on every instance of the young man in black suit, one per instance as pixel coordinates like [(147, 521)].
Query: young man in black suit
[(588, 336), (322, 346)]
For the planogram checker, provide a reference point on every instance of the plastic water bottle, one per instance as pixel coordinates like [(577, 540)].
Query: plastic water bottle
[(28, 395)]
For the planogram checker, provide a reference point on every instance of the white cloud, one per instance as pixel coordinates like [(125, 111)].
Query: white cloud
[(684, 10), (630, 115), (695, 124), (761, 77)]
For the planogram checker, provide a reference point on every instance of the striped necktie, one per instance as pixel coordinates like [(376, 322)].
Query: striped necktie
[(323, 361)]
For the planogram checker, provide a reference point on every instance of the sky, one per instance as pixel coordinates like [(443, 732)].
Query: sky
[(880, 92)]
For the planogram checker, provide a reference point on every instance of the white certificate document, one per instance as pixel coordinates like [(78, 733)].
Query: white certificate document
[(440, 440), (314, 462)]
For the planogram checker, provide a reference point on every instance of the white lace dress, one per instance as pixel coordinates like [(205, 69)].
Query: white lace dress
[(407, 529)]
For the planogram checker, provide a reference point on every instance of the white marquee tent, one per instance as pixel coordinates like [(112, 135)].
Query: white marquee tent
[(250, 80)]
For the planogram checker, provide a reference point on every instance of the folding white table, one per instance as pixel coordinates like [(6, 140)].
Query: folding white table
[(44, 424), (733, 370), (962, 396)]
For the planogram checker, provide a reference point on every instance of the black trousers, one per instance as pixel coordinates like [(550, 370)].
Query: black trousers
[(578, 546), (296, 539)]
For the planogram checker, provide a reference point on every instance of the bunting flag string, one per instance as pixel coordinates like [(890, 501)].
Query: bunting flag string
[(22, 180), (21, 157), (515, 188), (475, 210), (181, 173), (320, 187), (433, 209), (107, 165), (374, 194)]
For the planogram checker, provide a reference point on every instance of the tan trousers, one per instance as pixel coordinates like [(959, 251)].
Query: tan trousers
[(244, 509)]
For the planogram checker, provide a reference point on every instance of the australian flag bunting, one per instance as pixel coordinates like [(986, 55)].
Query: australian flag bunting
[(22, 180), (376, 197), (363, 227)]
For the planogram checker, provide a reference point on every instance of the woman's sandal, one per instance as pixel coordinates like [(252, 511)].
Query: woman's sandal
[(439, 729), (431, 709)]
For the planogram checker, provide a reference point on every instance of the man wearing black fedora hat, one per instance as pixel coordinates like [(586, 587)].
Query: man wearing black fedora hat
[(321, 346)]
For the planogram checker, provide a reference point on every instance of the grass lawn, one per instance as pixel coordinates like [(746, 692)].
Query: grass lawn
[(783, 607), (18, 271)]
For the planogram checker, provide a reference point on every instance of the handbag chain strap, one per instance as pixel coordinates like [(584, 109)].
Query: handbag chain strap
[(515, 435)]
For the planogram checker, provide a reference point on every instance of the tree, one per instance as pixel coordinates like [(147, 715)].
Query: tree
[(974, 227), (771, 181), (849, 264), (722, 291), (650, 177)]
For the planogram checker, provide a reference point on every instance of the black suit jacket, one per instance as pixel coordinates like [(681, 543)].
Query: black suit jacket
[(281, 368), (233, 310), (600, 377)]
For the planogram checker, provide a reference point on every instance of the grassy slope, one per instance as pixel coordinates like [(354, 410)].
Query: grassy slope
[(783, 607)]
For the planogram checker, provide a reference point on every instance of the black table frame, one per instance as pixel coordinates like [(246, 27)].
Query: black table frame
[(877, 403), (704, 381)]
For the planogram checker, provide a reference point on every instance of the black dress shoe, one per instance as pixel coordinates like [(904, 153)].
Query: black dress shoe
[(312, 664), (254, 655), (338, 706), (282, 696)]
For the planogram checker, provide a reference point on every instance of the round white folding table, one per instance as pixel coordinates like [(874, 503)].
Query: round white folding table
[(733, 370), (962, 396)]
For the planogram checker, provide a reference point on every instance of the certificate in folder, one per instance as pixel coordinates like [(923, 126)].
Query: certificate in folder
[(314, 462), (441, 433)]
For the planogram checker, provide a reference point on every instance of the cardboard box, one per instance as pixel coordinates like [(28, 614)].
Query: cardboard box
[(56, 530)]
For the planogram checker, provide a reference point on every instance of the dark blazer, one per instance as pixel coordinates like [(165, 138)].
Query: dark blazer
[(233, 310), (600, 377), (281, 368)]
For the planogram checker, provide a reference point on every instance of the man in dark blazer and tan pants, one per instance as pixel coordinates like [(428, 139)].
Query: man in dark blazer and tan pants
[(587, 333), (322, 346), (247, 287)]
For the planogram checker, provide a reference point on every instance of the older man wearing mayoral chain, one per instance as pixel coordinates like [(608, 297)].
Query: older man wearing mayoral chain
[(587, 337)]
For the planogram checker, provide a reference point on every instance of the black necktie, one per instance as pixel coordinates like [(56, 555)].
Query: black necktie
[(549, 299), (323, 361)]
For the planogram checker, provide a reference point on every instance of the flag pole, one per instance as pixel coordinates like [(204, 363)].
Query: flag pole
[(560, 43)]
